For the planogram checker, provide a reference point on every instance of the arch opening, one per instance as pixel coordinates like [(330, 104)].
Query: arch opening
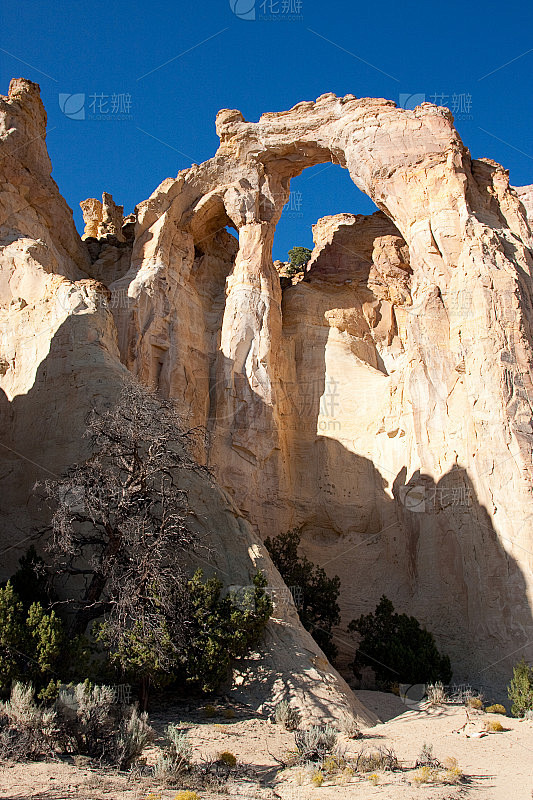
[(319, 191)]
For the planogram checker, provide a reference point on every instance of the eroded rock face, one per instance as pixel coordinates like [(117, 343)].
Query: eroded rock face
[(382, 404), (102, 219)]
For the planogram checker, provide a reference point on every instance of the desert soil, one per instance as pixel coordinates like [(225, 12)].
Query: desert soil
[(497, 766)]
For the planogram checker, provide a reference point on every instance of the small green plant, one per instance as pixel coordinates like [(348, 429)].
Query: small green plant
[(496, 708), (227, 758), (520, 690), (228, 713), (210, 710), (286, 716)]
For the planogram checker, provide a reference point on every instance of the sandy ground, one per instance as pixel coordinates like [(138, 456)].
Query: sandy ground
[(497, 766)]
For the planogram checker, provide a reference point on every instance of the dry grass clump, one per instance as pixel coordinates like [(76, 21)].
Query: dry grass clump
[(494, 726), (474, 702), (436, 694), (286, 716), (496, 708), (349, 727), (384, 759), (210, 710), (318, 778), (186, 795), (433, 771)]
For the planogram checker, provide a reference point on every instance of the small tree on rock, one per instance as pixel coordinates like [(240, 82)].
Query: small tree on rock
[(299, 258)]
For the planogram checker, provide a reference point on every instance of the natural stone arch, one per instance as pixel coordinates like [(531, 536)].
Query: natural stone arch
[(459, 383), (413, 165)]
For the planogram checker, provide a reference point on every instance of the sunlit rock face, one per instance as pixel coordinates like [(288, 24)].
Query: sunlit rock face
[(382, 404)]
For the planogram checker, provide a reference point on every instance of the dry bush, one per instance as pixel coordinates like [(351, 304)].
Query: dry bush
[(227, 758), (436, 694), (316, 743), (349, 726), (85, 722), (475, 702), (452, 773), (176, 760), (286, 716), (92, 724), (426, 758), (27, 731), (435, 772), (384, 758), (425, 775)]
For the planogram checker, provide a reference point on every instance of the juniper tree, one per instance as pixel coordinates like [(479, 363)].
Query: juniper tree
[(121, 526)]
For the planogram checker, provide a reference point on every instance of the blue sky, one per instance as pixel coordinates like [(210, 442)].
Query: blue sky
[(155, 118)]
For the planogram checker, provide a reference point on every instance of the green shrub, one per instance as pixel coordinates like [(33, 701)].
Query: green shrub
[(299, 258), (223, 629), (397, 648), (12, 636), (220, 630), (520, 690), (31, 581), (319, 610), (32, 642)]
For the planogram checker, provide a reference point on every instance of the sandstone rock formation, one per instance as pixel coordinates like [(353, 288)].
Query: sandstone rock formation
[(382, 404)]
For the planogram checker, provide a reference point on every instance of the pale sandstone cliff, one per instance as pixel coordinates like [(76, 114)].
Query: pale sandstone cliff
[(382, 403)]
